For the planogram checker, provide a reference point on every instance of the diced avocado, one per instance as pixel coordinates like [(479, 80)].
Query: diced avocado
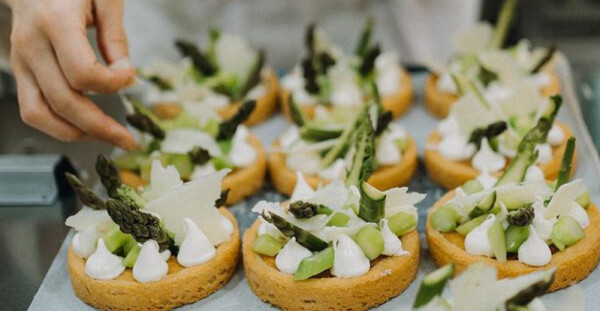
[(498, 241), (315, 264), (472, 186), (583, 199), (444, 219), (372, 203), (131, 160), (370, 241), (182, 163), (465, 228), (225, 145), (132, 256), (433, 285), (515, 236), (114, 239), (338, 220), (266, 245), (566, 232), (483, 206), (402, 223)]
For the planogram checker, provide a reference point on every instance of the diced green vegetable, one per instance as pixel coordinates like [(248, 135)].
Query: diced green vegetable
[(222, 163), (211, 127), (370, 241), (132, 256), (433, 285), (521, 124), (583, 199), (324, 210), (131, 160), (498, 241), (402, 223), (315, 264), (444, 219), (338, 220), (566, 232), (484, 206), (401, 144), (267, 245), (372, 203), (472, 186), (114, 239), (465, 228), (129, 246), (515, 236), (183, 164)]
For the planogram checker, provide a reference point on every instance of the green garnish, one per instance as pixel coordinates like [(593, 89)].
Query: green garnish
[(564, 173), (296, 113), (109, 175), (199, 155), (228, 127), (490, 132), (521, 217), (505, 21), (85, 194), (433, 285), (302, 209), (254, 76), (222, 198), (200, 61), (364, 158), (303, 237), (365, 37), (372, 203), (547, 57)]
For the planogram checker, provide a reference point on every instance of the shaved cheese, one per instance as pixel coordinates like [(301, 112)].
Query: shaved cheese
[(182, 141), (89, 218), (562, 199), (473, 39)]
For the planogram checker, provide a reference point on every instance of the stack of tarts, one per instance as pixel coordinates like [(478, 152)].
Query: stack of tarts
[(518, 224), (221, 77), (197, 142), (479, 139), (340, 247), (323, 149), (483, 60), (157, 249), (329, 80)]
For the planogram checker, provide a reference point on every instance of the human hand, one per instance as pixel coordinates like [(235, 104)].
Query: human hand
[(53, 64)]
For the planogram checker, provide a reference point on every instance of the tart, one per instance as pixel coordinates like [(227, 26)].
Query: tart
[(156, 250), (327, 159), (331, 249), (475, 140), (482, 59), (221, 77), (197, 144), (519, 226), (327, 80), (478, 288)]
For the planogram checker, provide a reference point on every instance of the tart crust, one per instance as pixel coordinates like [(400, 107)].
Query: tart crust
[(387, 278), (181, 286), (438, 102), (572, 265), (397, 103), (283, 177), (242, 182), (450, 174)]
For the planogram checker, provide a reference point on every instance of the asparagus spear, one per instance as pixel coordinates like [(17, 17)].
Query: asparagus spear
[(199, 155), (200, 61), (142, 226), (302, 209), (368, 61), (564, 173), (223, 198), (162, 84), (364, 158), (85, 194), (521, 217), (466, 86), (549, 54), (297, 115), (365, 37), (228, 127), (342, 144), (325, 61), (309, 39), (524, 297), (254, 76), (489, 132), (143, 119), (505, 21), (309, 72), (109, 175), (303, 237)]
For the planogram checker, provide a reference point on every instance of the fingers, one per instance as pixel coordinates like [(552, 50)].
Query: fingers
[(111, 32), (69, 104), (35, 110), (82, 70)]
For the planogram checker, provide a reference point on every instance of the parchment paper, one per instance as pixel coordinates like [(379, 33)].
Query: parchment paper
[(56, 293)]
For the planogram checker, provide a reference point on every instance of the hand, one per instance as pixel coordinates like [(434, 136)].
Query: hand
[(53, 64)]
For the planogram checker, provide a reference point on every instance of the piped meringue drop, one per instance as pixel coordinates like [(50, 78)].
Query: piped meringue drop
[(196, 248), (150, 265), (392, 244), (289, 257), (349, 260), (534, 251), (84, 242), (102, 264)]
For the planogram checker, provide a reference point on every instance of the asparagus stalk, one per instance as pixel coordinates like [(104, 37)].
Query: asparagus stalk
[(309, 72), (433, 285), (505, 21), (309, 39), (200, 61), (489, 132), (162, 84), (199, 155), (525, 296), (297, 115), (368, 61), (254, 76), (364, 158), (564, 173), (303, 237), (319, 132), (228, 127), (109, 175), (343, 143), (302, 209), (85, 194), (521, 217), (143, 119), (365, 37), (465, 86), (223, 198), (549, 54), (142, 226)]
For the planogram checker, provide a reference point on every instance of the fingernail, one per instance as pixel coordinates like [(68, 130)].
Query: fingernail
[(122, 64)]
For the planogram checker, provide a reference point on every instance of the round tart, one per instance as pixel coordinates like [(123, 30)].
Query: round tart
[(438, 102), (451, 174), (181, 286), (397, 103), (241, 182), (387, 278), (383, 178), (572, 265)]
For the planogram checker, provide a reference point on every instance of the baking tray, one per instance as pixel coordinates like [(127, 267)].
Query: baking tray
[(56, 293)]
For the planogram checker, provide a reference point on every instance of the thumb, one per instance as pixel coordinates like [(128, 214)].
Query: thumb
[(112, 39)]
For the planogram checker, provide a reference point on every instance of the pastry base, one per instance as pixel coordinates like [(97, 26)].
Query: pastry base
[(181, 286), (438, 102), (388, 277), (265, 105), (242, 182), (451, 174), (572, 265), (385, 177), (398, 103)]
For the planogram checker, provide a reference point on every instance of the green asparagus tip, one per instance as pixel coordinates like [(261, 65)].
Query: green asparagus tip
[(564, 173), (85, 194), (109, 174)]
